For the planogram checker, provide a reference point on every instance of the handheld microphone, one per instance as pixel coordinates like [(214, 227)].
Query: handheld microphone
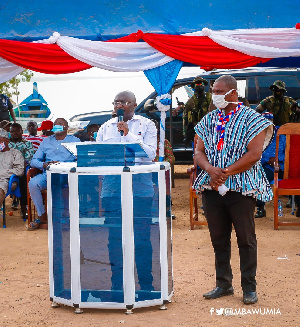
[(120, 115)]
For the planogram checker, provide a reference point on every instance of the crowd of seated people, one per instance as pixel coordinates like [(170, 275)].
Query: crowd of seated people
[(19, 152)]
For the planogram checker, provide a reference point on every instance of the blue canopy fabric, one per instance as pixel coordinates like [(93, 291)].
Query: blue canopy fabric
[(163, 77), (107, 19)]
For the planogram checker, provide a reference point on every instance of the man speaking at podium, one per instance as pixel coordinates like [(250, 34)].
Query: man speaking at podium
[(131, 128), (135, 128)]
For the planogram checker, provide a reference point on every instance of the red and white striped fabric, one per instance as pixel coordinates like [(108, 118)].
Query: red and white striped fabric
[(35, 140), (206, 48)]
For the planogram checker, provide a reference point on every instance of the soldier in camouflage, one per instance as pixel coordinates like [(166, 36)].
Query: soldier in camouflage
[(283, 107), (195, 108)]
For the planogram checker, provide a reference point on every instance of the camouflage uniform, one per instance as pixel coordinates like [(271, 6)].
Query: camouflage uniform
[(280, 107), (194, 110)]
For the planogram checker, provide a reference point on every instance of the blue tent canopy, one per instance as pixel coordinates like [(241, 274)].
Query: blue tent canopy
[(106, 19)]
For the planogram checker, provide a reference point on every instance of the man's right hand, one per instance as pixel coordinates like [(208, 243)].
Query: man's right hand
[(218, 176), (46, 164)]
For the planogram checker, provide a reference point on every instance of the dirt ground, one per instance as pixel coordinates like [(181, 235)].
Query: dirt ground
[(24, 284)]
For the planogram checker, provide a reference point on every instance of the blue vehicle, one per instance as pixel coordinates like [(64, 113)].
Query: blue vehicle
[(253, 84)]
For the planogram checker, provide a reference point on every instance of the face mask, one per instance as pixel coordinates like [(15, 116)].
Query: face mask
[(9, 136), (95, 135), (2, 146), (278, 94), (199, 89), (57, 129), (219, 100)]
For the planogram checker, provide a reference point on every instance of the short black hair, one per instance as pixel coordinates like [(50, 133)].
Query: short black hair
[(16, 125), (32, 122), (89, 127)]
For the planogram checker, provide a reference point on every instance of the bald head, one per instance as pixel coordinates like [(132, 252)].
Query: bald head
[(128, 95), (228, 80), (125, 100)]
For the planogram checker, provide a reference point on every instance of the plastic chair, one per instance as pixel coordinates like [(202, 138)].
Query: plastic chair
[(31, 208), (290, 184), (16, 192), (194, 211)]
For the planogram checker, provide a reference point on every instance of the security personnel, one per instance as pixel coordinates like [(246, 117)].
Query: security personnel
[(282, 107), (195, 108), (6, 108)]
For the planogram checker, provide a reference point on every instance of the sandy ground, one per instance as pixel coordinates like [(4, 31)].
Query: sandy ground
[(24, 285)]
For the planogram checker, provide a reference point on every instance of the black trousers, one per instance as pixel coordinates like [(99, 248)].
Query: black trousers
[(221, 213)]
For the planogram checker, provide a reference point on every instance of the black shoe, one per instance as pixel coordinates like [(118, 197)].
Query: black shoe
[(260, 213), (250, 297), (218, 292), (173, 217), (298, 213)]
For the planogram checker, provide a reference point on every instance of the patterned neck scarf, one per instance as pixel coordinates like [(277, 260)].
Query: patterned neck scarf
[(222, 122)]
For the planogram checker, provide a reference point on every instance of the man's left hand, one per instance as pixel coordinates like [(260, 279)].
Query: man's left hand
[(218, 177)]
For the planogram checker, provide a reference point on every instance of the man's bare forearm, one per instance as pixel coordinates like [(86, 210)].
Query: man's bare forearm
[(202, 161)]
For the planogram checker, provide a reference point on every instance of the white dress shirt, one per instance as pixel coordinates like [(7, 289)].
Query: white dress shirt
[(141, 130)]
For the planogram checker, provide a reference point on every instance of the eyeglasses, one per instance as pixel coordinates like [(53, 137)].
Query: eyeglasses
[(200, 84), (121, 102)]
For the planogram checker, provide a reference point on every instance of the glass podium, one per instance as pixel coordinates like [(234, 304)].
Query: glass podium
[(109, 225)]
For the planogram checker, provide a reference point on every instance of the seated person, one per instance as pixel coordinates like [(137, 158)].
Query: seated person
[(88, 134), (32, 134), (46, 128), (49, 152), (26, 148), (268, 160), (5, 124), (91, 131), (11, 162)]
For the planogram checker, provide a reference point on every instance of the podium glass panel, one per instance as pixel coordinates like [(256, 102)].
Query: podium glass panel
[(100, 227), (169, 231), (146, 236), (61, 235)]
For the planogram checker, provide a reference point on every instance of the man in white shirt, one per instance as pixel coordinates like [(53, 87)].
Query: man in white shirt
[(136, 129)]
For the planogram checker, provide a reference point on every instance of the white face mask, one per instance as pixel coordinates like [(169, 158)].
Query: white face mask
[(219, 100)]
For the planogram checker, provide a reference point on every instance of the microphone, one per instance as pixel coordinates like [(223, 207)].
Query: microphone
[(120, 115)]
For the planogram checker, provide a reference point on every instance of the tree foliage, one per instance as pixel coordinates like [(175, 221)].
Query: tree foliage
[(11, 87)]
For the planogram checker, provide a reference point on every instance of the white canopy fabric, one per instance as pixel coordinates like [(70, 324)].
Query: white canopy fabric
[(140, 56)]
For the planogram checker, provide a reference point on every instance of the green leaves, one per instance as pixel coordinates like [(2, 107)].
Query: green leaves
[(10, 87)]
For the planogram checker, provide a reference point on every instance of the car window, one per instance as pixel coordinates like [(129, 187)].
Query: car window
[(251, 91), (241, 87), (182, 94)]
